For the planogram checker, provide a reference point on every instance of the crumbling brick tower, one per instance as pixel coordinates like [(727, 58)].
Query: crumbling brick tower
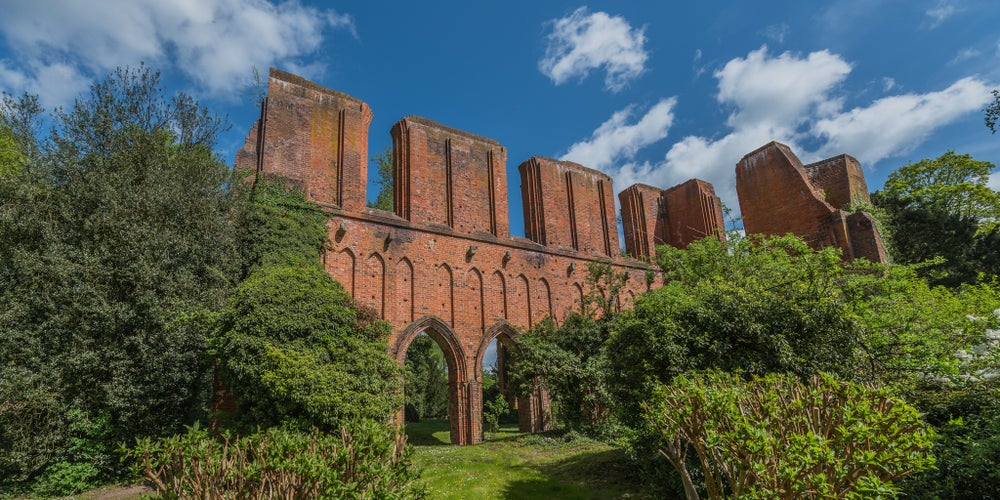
[(779, 195), (444, 263)]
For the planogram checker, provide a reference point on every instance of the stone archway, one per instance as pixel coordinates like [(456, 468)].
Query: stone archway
[(533, 412), (464, 430)]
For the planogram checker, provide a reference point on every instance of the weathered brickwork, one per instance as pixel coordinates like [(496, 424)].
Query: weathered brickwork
[(675, 216), (444, 263), (779, 195)]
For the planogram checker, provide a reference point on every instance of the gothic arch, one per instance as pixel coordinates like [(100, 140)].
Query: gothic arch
[(445, 337), (373, 293), (403, 292), (502, 331), (342, 269)]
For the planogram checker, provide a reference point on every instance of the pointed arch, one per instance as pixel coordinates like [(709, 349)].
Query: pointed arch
[(474, 302), (520, 302), (502, 332), (543, 304), (443, 296), (578, 297), (403, 290), (496, 298), (341, 268), (442, 333), (373, 286)]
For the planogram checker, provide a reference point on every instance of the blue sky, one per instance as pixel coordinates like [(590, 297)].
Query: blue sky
[(654, 92)]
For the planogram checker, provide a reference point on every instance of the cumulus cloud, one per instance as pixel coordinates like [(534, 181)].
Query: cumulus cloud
[(779, 89), (616, 138), (896, 124), (792, 99), (214, 42), (582, 42), (994, 182)]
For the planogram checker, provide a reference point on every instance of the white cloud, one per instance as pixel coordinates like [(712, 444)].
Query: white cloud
[(616, 138), (940, 13), (214, 42), (888, 83), (791, 99), (582, 42), (776, 32), (780, 89), (994, 182), (896, 124)]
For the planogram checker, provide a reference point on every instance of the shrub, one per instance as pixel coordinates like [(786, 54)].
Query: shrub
[(365, 460), (776, 437)]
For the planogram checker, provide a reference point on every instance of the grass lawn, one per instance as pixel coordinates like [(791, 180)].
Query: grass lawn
[(513, 465)]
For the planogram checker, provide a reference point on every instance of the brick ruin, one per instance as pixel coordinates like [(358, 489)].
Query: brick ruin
[(444, 262), (779, 195)]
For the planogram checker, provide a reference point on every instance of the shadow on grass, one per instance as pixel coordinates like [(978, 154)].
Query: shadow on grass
[(599, 474), (428, 433)]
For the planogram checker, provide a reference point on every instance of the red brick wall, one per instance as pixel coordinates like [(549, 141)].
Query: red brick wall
[(313, 136), (569, 207), (642, 225), (450, 177), (692, 212), (444, 262), (675, 216), (778, 197), (840, 179)]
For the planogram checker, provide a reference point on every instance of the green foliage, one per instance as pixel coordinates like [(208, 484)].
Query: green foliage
[(992, 112), (776, 437), (777, 306), (950, 249), (364, 460), (570, 359), (944, 208), (426, 383), (383, 162), (293, 345), (118, 249), (11, 157), (495, 408), (967, 419), (952, 183), (758, 306)]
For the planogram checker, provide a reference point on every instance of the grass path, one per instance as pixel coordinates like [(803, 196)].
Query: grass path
[(513, 465)]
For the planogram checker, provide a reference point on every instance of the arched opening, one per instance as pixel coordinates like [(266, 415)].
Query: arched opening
[(500, 404), (430, 341), (496, 350), (425, 390)]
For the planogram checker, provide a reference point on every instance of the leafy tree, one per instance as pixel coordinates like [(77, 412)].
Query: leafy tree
[(293, 346), (944, 208), (383, 162), (118, 252), (760, 306), (426, 384), (570, 359), (952, 183), (10, 152), (777, 437), (992, 112)]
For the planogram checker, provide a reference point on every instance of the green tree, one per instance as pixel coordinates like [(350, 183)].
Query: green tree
[(953, 183), (118, 251), (942, 210), (426, 384), (570, 360), (383, 162), (293, 345), (992, 112), (777, 437)]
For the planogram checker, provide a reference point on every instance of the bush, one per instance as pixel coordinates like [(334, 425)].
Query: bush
[(777, 437), (365, 460)]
